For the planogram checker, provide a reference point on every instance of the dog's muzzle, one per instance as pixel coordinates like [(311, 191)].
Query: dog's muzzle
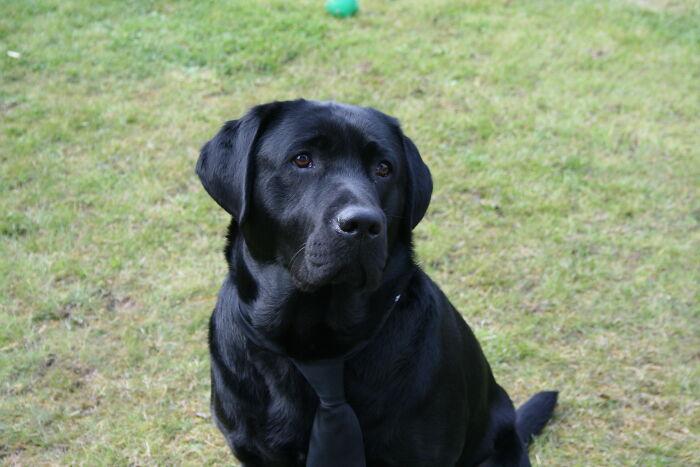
[(351, 250)]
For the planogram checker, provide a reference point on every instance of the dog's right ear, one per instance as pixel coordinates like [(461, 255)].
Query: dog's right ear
[(225, 167)]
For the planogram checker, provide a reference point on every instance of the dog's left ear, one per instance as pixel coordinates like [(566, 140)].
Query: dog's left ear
[(419, 184), (225, 167)]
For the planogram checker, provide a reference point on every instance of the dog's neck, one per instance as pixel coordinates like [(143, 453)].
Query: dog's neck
[(325, 323)]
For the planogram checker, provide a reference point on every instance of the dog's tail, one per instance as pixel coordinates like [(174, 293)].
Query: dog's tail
[(534, 414)]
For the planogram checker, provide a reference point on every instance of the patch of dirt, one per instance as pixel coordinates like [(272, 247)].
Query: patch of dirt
[(117, 303)]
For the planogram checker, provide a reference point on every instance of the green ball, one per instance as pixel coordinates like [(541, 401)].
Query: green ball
[(342, 8)]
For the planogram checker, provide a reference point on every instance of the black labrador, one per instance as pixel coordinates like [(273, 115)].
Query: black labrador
[(323, 198)]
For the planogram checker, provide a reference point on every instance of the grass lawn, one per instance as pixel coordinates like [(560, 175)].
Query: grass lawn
[(564, 142)]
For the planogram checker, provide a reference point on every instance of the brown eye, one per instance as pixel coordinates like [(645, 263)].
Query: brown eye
[(383, 169), (303, 160)]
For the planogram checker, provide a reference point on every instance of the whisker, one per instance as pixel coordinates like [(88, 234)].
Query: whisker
[(291, 262)]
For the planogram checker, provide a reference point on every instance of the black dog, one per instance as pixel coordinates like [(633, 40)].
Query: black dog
[(323, 198)]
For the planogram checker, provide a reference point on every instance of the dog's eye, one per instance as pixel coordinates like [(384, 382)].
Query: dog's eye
[(383, 169), (303, 160)]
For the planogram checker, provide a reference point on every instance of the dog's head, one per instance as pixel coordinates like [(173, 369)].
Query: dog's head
[(322, 188)]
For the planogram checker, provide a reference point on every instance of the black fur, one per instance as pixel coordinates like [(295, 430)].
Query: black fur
[(422, 390)]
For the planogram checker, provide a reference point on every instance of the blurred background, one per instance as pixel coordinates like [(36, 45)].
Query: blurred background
[(564, 141)]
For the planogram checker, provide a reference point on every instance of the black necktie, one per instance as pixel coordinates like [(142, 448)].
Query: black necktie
[(336, 437)]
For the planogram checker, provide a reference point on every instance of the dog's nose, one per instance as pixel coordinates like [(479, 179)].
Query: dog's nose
[(360, 221)]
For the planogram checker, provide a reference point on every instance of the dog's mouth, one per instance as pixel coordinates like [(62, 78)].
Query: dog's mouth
[(356, 279), (356, 268)]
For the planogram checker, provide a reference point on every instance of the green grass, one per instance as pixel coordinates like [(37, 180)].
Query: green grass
[(564, 142)]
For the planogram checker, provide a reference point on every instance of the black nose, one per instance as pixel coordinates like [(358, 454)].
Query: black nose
[(360, 221)]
